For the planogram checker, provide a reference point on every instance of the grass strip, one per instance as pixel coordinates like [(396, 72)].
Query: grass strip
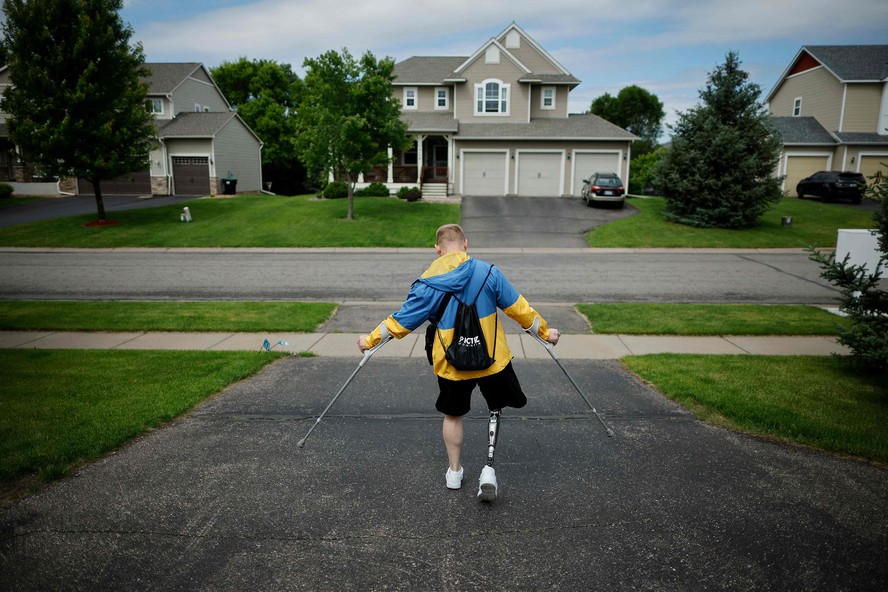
[(808, 400), (710, 319), (65, 407), (248, 221), (813, 224), (67, 315)]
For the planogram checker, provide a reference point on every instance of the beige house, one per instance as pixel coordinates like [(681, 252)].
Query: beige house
[(497, 123), (201, 142), (831, 109)]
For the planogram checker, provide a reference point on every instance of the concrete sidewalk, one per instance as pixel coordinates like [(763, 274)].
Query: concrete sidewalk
[(572, 346)]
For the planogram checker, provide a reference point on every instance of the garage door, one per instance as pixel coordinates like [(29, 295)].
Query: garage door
[(135, 183), (540, 173), (191, 175), (799, 167), (870, 164), (588, 163), (484, 173)]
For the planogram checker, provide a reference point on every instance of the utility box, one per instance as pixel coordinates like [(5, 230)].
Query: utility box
[(862, 246)]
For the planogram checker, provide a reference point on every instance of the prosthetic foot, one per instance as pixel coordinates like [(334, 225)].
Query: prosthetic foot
[(487, 486)]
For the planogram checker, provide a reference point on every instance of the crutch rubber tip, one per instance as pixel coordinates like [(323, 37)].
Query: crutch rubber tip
[(300, 443), (610, 434)]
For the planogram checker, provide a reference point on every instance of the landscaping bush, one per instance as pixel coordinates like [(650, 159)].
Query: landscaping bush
[(5, 190), (335, 190), (374, 189), (410, 193)]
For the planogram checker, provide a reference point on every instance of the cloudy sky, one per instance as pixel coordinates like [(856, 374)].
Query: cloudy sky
[(664, 46)]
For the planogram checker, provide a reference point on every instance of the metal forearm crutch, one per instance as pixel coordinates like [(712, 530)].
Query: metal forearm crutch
[(386, 337), (533, 331)]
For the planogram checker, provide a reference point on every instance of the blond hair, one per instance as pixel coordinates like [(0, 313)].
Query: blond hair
[(450, 233)]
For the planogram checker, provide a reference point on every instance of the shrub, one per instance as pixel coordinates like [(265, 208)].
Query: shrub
[(863, 298), (335, 190), (374, 189), (409, 193), (5, 190)]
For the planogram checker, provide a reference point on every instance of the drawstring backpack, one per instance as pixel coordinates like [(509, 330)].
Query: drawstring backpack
[(468, 350)]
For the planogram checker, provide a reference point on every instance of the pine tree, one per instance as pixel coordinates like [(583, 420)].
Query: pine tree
[(718, 171), (77, 101)]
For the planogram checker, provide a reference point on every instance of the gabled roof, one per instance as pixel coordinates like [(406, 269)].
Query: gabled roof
[(848, 63), (440, 70), (585, 126), (807, 131), (166, 77), (198, 125), (426, 69)]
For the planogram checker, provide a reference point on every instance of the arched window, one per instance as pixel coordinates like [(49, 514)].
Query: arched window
[(492, 98)]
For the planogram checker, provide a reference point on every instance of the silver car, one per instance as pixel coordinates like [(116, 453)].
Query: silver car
[(604, 188)]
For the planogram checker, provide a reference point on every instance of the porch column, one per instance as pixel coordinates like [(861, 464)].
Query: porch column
[(391, 166), (419, 159), (451, 158)]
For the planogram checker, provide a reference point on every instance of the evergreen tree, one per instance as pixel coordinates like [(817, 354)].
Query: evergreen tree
[(718, 171), (77, 101)]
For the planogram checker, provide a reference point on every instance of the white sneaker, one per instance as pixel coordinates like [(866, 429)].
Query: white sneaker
[(487, 486), (454, 478)]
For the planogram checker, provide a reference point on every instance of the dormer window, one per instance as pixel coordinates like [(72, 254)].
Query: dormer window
[(492, 98), (547, 98), (410, 97)]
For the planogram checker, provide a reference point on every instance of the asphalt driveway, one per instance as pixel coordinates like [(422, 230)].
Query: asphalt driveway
[(75, 205), (223, 499), (514, 222)]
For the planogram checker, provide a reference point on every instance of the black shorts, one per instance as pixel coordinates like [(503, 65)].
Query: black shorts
[(499, 390)]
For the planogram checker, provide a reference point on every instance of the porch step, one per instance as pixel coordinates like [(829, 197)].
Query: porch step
[(434, 190)]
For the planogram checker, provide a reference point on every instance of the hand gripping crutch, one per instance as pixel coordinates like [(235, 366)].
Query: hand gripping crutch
[(533, 331), (386, 337)]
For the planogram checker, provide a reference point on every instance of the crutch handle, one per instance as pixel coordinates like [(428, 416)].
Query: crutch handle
[(534, 331)]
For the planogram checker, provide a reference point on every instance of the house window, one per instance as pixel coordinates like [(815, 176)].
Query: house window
[(547, 98), (154, 106), (410, 98), (441, 98), (197, 108), (797, 107), (491, 98)]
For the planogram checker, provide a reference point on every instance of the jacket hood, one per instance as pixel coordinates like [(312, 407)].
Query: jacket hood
[(450, 273)]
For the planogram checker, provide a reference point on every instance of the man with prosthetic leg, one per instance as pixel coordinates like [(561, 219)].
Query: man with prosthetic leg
[(456, 278)]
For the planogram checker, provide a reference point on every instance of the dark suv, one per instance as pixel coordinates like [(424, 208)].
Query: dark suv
[(829, 185), (603, 188)]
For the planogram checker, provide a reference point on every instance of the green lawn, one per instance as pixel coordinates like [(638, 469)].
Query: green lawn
[(54, 315), (65, 407), (813, 224), (248, 221), (710, 319), (814, 401)]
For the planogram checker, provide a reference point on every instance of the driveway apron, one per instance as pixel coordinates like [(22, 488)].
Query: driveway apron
[(518, 221), (223, 500)]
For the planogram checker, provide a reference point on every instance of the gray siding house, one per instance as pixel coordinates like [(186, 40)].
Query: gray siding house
[(200, 142), (497, 123)]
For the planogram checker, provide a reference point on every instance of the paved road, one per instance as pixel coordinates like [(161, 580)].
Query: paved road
[(223, 499), (572, 275)]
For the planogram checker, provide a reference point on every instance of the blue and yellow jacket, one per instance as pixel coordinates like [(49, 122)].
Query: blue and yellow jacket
[(462, 275)]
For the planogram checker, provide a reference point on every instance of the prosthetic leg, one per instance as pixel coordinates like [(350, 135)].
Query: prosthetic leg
[(487, 487)]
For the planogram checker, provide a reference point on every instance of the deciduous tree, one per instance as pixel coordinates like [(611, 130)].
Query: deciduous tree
[(636, 110), (77, 100), (348, 117)]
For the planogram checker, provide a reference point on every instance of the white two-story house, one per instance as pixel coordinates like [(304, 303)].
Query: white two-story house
[(497, 123)]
